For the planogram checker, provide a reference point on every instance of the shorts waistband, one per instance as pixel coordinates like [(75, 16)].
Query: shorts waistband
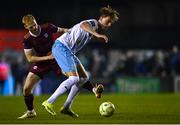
[(59, 43)]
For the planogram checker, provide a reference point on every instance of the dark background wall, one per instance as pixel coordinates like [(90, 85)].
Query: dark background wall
[(143, 24)]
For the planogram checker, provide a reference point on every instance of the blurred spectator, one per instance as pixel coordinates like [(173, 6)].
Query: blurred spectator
[(104, 63), (115, 62), (159, 67), (19, 71), (139, 67), (130, 63), (167, 63), (149, 62), (96, 62), (175, 60), (4, 72)]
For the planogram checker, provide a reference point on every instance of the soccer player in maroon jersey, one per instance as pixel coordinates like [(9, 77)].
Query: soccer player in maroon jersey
[(37, 48)]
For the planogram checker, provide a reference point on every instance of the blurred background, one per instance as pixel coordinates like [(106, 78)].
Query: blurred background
[(142, 55)]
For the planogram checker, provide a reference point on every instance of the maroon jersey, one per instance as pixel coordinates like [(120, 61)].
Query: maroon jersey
[(42, 44)]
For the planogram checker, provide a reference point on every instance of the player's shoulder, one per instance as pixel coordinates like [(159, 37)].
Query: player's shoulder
[(88, 20), (47, 25), (27, 36), (93, 22)]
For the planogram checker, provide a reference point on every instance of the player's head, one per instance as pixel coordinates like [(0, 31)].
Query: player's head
[(30, 23), (107, 17)]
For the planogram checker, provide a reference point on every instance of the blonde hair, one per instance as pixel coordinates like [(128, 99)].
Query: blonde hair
[(108, 11), (27, 19)]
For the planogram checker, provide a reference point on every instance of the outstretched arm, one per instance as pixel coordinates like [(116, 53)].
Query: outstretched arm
[(87, 27), (31, 57)]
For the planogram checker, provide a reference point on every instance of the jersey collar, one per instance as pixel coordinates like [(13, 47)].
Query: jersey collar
[(37, 34)]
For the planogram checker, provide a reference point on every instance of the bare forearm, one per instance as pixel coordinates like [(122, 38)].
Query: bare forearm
[(62, 30), (33, 59), (31, 56)]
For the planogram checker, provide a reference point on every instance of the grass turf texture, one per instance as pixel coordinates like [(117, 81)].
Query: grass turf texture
[(141, 108)]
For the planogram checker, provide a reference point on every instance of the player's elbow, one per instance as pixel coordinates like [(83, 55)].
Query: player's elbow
[(30, 60)]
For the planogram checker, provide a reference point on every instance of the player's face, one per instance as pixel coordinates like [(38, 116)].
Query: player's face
[(105, 22), (31, 26)]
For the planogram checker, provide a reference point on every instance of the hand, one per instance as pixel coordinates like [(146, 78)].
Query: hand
[(50, 57), (102, 37)]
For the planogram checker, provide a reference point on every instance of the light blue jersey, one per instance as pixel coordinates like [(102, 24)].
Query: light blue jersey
[(76, 37), (69, 43)]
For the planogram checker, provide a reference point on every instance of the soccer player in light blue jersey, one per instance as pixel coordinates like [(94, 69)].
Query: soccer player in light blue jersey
[(64, 51)]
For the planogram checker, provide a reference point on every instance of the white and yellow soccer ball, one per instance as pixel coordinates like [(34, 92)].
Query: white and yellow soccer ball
[(106, 109)]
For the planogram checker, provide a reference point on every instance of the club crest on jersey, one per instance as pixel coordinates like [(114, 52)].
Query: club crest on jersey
[(35, 67), (45, 35)]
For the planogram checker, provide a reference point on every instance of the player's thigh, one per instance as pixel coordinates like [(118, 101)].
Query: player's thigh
[(55, 67), (80, 68), (30, 81), (65, 58)]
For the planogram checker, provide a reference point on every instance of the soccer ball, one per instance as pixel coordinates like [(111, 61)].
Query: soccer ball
[(106, 109)]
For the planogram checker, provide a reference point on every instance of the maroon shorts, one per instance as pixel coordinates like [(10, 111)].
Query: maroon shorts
[(42, 68)]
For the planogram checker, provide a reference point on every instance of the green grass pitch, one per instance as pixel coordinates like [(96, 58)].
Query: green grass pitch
[(130, 108)]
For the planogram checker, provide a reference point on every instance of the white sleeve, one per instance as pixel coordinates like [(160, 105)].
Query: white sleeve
[(93, 23)]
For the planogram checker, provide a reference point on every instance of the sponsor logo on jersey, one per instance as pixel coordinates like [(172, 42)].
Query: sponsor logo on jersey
[(35, 67), (45, 35)]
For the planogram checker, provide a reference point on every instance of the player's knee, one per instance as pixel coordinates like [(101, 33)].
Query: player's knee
[(74, 79), (84, 79), (26, 91), (87, 78)]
